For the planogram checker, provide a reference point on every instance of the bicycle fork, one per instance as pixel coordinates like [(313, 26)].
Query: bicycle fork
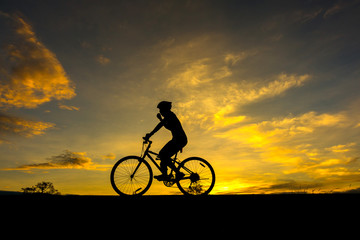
[(137, 167), (133, 174)]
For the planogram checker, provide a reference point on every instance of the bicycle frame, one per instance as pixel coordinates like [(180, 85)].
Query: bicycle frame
[(147, 153)]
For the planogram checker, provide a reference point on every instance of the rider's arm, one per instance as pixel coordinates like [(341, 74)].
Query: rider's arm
[(157, 128)]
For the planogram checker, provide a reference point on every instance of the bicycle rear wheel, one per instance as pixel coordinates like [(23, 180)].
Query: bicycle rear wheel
[(131, 175), (199, 177)]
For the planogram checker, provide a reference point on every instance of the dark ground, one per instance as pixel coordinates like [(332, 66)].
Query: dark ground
[(215, 203), (272, 215)]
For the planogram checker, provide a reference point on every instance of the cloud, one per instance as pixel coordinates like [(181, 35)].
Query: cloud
[(30, 74), (281, 129), (70, 108), (67, 159), (208, 101), (306, 16), (232, 58), (110, 156), (103, 60), (211, 83), (19, 126), (341, 148), (287, 186), (338, 7), (198, 73), (207, 85), (310, 148), (281, 83)]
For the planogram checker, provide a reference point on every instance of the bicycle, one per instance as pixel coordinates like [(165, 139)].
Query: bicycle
[(132, 175)]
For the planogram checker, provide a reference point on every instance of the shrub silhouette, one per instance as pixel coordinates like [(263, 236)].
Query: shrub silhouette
[(41, 188)]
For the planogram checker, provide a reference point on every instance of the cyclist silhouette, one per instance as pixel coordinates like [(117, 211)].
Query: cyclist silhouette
[(177, 143)]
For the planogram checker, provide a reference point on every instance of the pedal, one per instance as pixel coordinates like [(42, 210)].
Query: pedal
[(170, 181)]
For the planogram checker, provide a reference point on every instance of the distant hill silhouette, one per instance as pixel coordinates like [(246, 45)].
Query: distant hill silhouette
[(7, 193)]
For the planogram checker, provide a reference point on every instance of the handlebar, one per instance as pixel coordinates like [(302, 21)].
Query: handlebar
[(146, 140)]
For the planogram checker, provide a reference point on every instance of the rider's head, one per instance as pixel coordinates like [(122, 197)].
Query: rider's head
[(164, 106)]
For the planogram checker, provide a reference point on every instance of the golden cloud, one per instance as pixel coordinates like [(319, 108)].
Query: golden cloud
[(30, 74), (197, 73), (67, 159), (208, 101), (341, 148), (281, 130), (23, 127), (205, 82), (70, 108), (301, 147)]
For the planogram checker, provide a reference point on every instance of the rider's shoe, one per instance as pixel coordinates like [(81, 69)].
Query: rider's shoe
[(162, 177)]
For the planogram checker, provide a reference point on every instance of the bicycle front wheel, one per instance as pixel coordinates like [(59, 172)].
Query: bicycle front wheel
[(199, 177), (131, 175)]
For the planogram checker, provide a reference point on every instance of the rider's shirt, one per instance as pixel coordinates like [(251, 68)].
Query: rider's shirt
[(172, 123)]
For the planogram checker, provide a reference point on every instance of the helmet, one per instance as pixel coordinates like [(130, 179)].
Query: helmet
[(164, 105)]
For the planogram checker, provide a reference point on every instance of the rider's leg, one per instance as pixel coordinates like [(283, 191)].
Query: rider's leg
[(165, 163), (163, 167), (165, 156)]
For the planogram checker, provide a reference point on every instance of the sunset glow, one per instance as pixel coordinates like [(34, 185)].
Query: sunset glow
[(267, 92)]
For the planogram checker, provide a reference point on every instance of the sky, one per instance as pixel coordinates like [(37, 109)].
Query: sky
[(267, 91)]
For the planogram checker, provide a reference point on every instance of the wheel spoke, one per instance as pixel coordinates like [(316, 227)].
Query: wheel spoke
[(126, 181), (201, 177)]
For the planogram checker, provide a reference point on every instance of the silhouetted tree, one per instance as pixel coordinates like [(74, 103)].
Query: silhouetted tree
[(42, 188)]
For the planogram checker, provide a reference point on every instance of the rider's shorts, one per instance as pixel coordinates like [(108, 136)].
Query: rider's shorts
[(171, 148)]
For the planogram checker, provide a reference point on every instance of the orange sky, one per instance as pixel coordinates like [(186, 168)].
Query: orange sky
[(266, 92)]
